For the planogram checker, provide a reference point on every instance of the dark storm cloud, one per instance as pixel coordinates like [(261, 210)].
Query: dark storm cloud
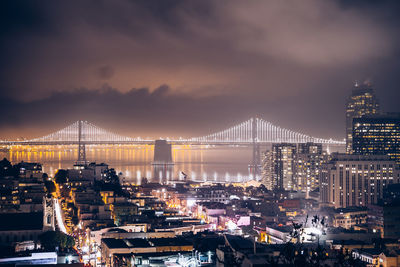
[(144, 112), (136, 112), (291, 62)]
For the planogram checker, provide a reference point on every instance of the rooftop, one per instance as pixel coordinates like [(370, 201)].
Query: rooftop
[(21, 221), (144, 243), (170, 242), (350, 209), (114, 243), (353, 157)]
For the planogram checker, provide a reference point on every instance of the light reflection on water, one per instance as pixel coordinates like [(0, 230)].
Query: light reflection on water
[(199, 163)]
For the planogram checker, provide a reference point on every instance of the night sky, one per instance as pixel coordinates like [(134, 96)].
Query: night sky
[(188, 68)]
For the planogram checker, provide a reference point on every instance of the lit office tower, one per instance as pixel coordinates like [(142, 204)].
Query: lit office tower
[(356, 180), (284, 162), (377, 135), (308, 164), (361, 102)]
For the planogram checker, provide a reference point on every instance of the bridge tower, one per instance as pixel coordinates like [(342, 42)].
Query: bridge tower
[(162, 153), (81, 146), (256, 148)]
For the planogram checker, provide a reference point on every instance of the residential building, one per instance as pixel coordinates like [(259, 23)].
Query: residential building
[(385, 218), (293, 167), (123, 212), (267, 171), (349, 217), (19, 227), (9, 200), (29, 170), (284, 165), (309, 159), (212, 194), (378, 257), (136, 248)]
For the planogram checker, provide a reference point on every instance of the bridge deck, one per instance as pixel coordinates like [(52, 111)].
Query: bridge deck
[(249, 132)]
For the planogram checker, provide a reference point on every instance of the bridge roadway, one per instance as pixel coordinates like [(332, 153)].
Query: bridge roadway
[(139, 142)]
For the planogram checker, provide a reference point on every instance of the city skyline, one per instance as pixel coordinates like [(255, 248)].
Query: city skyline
[(200, 133), (187, 70)]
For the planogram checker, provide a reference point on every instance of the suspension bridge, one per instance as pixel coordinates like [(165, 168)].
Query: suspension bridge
[(252, 131)]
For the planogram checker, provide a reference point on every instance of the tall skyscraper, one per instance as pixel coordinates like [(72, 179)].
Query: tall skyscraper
[(377, 135), (361, 102), (356, 180), (284, 165)]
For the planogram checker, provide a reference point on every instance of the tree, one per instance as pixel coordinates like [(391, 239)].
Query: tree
[(45, 176), (111, 177), (249, 188), (75, 220), (288, 253), (7, 169), (50, 186), (268, 209), (52, 239), (144, 181), (65, 191), (69, 242), (61, 176), (262, 188)]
